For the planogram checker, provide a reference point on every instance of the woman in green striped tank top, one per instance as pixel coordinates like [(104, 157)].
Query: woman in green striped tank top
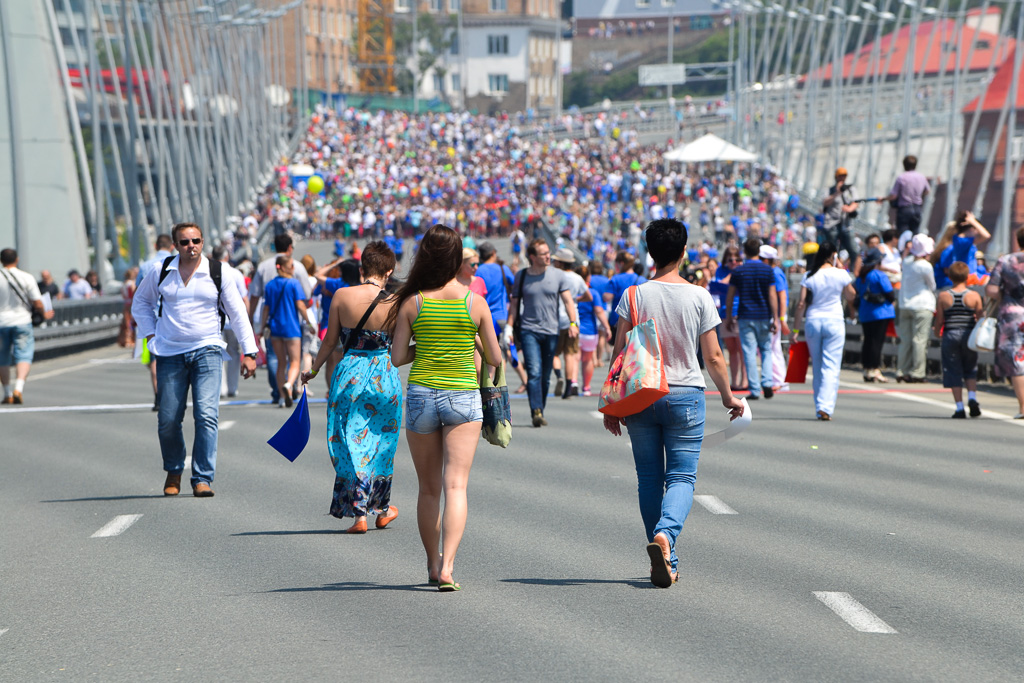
[(443, 411)]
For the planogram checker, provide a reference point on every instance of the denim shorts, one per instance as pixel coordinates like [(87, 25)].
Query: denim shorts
[(17, 345), (427, 410)]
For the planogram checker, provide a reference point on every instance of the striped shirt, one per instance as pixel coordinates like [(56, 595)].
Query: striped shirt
[(445, 334)]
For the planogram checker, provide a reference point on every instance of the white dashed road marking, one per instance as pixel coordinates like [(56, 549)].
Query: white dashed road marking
[(598, 414), (188, 461), (226, 425), (116, 526), (4, 630), (853, 613), (714, 505)]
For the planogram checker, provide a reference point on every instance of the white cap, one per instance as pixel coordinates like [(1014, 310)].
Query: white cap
[(768, 252)]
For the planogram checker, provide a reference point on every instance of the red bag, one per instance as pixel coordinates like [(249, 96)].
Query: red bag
[(799, 359), (637, 377), (890, 330)]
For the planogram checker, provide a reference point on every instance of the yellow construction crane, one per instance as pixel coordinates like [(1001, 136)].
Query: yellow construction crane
[(376, 67)]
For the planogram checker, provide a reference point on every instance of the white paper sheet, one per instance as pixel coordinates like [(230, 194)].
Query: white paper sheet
[(735, 427), (47, 302)]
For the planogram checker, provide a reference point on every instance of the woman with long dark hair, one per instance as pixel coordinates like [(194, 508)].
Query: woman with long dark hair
[(821, 305), (444, 413), (365, 400), (875, 297)]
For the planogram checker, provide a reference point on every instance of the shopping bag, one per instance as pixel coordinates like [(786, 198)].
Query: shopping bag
[(497, 421), (799, 358), (890, 329), (293, 435), (983, 336), (637, 376)]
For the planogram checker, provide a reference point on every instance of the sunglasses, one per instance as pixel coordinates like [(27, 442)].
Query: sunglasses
[(474, 265), (194, 240), (734, 260)]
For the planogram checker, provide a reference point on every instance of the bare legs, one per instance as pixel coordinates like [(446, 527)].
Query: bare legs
[(737, 368), (443, 460), (287, 350), (1018, 389), (588, 369)]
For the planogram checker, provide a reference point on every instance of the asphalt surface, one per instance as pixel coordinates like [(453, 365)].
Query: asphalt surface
[(915, 516)]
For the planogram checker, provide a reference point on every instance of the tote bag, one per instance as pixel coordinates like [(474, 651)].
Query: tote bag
[(986, 332), (637, 376), (497, 420), (799, 359)]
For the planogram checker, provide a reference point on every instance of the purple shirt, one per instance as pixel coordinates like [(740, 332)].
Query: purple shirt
[(910, 188)]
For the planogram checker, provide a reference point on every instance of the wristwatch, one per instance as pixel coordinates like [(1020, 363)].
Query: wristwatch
[(251, 356)]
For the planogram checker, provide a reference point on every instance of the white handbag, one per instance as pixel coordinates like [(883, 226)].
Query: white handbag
[(983, 336)]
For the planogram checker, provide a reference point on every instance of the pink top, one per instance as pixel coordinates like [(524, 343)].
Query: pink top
[(477, 286)]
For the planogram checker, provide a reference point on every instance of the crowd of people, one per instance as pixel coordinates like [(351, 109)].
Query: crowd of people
[(601, 234)]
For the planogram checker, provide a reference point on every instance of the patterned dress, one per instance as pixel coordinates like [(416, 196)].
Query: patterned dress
[(363, 414), (1009, 275)]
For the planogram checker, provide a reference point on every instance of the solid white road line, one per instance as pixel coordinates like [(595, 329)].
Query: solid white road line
[(188, 461), (915, 398), (116, 526), (714, 505), (853, 613), (226, 425), (123, 406)]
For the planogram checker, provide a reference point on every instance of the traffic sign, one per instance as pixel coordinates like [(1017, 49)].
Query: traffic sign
[(662, 74)]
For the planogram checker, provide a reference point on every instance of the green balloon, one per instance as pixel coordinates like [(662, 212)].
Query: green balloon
[(345, 199), (635, 165), (447, 167)]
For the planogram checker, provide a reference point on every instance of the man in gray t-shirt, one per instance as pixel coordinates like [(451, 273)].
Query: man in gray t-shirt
[(539, 287)]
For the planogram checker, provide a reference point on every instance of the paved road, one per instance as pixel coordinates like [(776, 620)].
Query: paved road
[(915, 516)]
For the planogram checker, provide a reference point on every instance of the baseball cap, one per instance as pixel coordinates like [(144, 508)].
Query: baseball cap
[(769, 252)]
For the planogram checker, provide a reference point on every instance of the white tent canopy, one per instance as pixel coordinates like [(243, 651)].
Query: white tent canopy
[(709, 148)]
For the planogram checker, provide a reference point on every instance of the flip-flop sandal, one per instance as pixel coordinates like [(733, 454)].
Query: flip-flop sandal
[(661, 571), (448, 587), (432, 582)]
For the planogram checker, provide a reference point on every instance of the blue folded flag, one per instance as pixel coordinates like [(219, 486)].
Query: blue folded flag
[(293, 435)]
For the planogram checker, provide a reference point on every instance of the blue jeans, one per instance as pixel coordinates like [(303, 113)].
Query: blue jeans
[(428, 410), (666, 446), (826, 339), (17, 345), (199, 369), (538, 355), (756, 335), (275, 395)]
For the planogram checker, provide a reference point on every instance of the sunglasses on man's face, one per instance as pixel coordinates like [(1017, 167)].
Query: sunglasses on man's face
[(194, 240)]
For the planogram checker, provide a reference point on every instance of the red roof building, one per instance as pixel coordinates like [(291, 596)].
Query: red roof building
[(928, 51)]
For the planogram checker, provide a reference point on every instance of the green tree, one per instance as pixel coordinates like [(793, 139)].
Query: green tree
[(440, 33)]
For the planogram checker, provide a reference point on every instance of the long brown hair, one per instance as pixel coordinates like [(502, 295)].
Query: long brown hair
[(438, 260)]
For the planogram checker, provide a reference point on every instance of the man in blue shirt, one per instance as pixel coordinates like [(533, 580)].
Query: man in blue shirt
[(623, 279), (758, 316)]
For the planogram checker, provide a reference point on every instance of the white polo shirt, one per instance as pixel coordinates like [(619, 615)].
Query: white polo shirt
[(190, 318)]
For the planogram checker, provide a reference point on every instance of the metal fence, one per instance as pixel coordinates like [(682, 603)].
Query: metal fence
[(79, 323)]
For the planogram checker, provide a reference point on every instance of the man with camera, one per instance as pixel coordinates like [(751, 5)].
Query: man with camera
[(839, 208), (21, 307)]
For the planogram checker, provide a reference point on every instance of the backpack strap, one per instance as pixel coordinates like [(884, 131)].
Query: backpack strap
[(163, 276)]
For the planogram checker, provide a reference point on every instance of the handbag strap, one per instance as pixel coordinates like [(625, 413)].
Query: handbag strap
[(634, 315), (15, 285), (350, 339)]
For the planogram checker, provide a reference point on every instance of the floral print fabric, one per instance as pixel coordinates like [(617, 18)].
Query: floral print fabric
[(1009, 276), (363, 414)]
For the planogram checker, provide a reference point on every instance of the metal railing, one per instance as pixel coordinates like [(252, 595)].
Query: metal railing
[(78, 323)]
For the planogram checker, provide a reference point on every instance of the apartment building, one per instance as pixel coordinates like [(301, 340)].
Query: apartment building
[(321, 41)]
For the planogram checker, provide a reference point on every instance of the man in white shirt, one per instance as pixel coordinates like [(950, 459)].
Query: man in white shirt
[(265, 272), (19, 295), (568, 346), (180, 318), (75, 287)]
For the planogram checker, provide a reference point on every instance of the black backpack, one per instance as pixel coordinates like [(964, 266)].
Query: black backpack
[(215, 275)]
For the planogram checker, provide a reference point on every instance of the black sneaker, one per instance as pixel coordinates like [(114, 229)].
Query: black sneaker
[(156, 404), (959, 415), (975, 407), (768, 392), (559, 386), (753, 397), (575, 390)]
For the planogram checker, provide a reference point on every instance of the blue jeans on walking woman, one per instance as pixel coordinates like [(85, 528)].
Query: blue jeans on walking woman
[(200, 370), (538, 356), (826, 339), (666, 440)]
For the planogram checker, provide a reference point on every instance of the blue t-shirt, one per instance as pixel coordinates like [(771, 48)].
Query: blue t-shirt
[(588, 320), (497, 293), (752, 281), (326, 294), (600, 283), (877, 282), (962, 249), (617, 286), (279, 297), (781, 283)]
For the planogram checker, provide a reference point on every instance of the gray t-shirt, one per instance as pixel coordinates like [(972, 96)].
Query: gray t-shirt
[(267, 271), (682, 312), (541, 294), (577, 288), (834, 216)]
